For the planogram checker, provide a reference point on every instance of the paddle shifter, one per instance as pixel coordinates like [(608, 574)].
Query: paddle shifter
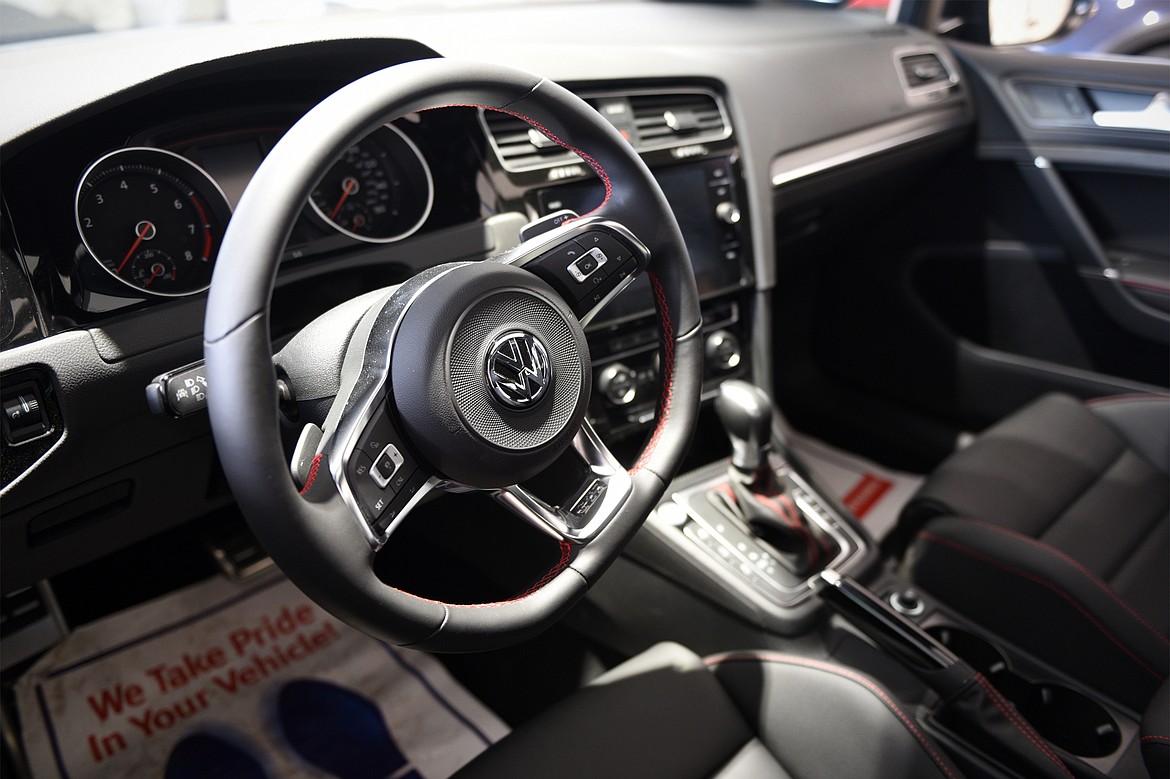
[(756, 494)]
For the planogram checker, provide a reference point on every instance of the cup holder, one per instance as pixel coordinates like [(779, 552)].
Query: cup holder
[(1067, 718), (979, 653)]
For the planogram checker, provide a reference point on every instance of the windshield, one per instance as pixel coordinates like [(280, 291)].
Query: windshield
[(24, 20)]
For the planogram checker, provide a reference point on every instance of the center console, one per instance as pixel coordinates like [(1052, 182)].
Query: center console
[(757, 527)]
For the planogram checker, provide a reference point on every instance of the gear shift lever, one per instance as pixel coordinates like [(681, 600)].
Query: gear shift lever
[(746, 413)]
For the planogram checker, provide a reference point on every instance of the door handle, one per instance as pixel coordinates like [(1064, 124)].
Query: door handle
[(1155, 116)]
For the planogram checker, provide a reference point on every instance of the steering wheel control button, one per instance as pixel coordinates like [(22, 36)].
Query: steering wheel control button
[(386, 467), (617, 252), (179, 393), (583, 268), (372, 498), (554, 267), (518, 369), (378, 433)]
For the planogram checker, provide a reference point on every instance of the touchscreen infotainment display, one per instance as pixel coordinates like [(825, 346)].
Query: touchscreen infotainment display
[(718, 266)]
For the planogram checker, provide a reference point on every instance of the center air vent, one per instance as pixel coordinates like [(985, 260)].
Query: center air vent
[(519, 146), (677, 119), (648, 120)]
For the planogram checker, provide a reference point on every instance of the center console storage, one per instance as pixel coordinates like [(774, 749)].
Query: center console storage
[(1076, 721)]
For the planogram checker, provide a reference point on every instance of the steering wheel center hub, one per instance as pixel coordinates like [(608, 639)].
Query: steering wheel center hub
[(490, 374)]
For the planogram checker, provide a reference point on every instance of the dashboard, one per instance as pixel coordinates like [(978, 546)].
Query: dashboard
[(119, 182)]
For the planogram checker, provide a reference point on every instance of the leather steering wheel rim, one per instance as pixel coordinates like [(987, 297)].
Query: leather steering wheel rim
[(312, 537)]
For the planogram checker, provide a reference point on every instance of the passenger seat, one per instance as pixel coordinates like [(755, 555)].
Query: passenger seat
[(1052, 530)]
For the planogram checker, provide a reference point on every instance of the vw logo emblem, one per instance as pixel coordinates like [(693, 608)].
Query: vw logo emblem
[(518, 369)]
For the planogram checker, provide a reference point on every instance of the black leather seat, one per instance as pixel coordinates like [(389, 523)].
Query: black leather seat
[(667, 713), (1052, 530)]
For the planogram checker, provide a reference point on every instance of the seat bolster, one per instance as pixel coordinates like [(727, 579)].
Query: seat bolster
[(1046, 602), (1156, 733), (1023, 471), (824, 719), (661, 714), (1143, 421)]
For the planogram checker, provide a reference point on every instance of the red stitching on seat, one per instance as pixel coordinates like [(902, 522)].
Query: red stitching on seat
[(316, 466), (733, 657), (589, 159), (1155, 737), (927, 536), (1013, 716), (664, 401), (1074, 563)]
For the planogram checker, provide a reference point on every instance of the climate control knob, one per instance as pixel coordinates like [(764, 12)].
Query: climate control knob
[(728, 213), (722, 350), (618, 384)]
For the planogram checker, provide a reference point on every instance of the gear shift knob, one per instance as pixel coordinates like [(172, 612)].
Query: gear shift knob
[(746, 413)]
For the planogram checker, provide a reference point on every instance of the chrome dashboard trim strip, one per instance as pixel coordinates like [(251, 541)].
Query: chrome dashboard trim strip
[(811, 160)]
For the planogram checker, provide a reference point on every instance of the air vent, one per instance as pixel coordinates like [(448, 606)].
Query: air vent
[(521, 147), (649, 120), (677, 119), (923, 70)]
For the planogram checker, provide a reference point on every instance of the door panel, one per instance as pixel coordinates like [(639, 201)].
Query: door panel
[(1036, 260)]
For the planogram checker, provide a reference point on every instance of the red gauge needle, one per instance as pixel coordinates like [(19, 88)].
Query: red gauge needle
[(144, 229), (155, 272), (348, 187)]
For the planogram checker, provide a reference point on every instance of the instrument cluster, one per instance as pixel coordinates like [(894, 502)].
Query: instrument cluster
[(152, 220)]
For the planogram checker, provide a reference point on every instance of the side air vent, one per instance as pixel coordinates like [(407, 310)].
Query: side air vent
[(648, 120), (521, 147), (922, 69), (677, 119)]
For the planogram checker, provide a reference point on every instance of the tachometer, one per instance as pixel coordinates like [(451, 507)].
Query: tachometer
[(152, 219), (379, 191)]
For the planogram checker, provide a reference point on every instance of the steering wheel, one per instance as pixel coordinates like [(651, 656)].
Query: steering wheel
[(469, 376)]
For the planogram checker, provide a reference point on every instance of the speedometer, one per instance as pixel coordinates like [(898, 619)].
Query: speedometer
[(380, 190), (152, 219)]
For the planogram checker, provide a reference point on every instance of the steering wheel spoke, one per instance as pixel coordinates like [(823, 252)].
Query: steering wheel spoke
[(588, 261), (593, 484)]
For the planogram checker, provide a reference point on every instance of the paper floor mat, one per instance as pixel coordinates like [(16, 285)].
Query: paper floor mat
[(223, 680), (873, 493)]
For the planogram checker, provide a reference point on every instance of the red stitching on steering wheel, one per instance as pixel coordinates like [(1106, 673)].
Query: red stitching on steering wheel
[(667, 396)]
